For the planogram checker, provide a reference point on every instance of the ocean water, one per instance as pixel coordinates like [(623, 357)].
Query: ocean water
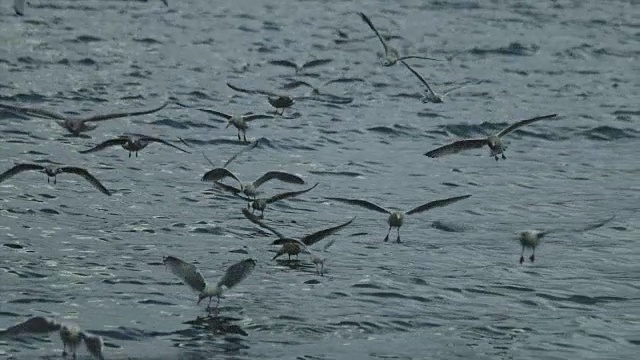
[(453, 288)]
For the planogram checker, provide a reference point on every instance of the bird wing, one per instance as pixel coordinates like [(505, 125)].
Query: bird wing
[(251, 146), (457, 146), (154, 139), (229, 188), (94, 344), (219, 174), (296, 84), (188, 273), (290, 194), (278, 175), (41, 113), (418, 57), (254, 219), (237, 272), (522, 123), (85, 174), (286, 63), (366, 20), (102, 117), (422, 80), (256, 117), (458, 87), (316, 62), (364, 203), (311, 239), (255, 91), (103, 145), (35, 325), (18, 168), (436, 203), (213, 112)]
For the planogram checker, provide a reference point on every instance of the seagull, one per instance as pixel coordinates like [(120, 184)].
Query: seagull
[(76, 126), (300, 67), (18, 7), (130, 142), (430, 95), (53, 172), (260, 204), (190, 275), (315, 90), (293, 246), (237, 120), (281, 102), (251, 189), (391, 55), (70, 334), (396, 218), (531, 238), (493, 142)]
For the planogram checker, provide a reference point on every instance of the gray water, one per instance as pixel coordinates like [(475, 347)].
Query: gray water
[(452, 289)]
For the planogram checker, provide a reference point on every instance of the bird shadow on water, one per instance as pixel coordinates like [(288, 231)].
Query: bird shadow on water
[(219, 325)]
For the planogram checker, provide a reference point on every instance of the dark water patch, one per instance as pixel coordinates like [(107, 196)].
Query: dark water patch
[(513, 49), (27, 274), (13, 246), (50, 211), (86, 62), (608, 133), (481, 290), (117, 281), (148, 41), (393, 295), (214, 230), (336, 173), (239, 251), (86, 39), (582, 299), (35, 301), (153, 302), (170, 123)]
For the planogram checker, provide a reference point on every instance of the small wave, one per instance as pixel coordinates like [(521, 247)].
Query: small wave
[(86, 39), (336, 173), (608, 133), (513, 49)]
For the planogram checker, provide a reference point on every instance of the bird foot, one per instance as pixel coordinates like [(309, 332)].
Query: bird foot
[(386, 238), (398, 240), (497, 158), (521, 259), (532, 257), (504, 157)]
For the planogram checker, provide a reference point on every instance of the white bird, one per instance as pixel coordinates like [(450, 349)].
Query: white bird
[(76, 126), (70, 334), (391, 55), (260, 204), (531, 238), (396, 218), (18, 7), (430, 95), (493, 141), (293, 246), (240, 122), (131, 143), (251, 189), (52, 171), (190, 275), (300, 67)]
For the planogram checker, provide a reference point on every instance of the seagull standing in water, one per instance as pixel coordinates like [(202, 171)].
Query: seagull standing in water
[(430, 95), (396, 218), (240, 122), (251, 189), (190, 275), (391, 55), (76, 126), (530, 239), (300, 67), (493, 141), (131, 143), (52, 172), (293, 246), (70, 334)]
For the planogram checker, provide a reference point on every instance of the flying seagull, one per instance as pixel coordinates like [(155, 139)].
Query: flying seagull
[(531, 238), (293, 246), (190, 275), (315, 90), (281, 101), (396, 218), (260, 204), (251, 189), (131, 143), (53, 172), (493, 142), (430, 95), (70, 334), (300, 67), (237, 120), (76, 126), (391, 55)]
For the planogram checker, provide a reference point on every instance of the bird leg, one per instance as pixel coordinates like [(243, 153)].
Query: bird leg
[(244, 135), (398, 239), (262, 214), (136, 154), (386, 238), (496, 156), (64, 350), (55, 179), (522, 255), (48, 179), (533, 255), (129, 154), (239, 138), (504, 157)]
